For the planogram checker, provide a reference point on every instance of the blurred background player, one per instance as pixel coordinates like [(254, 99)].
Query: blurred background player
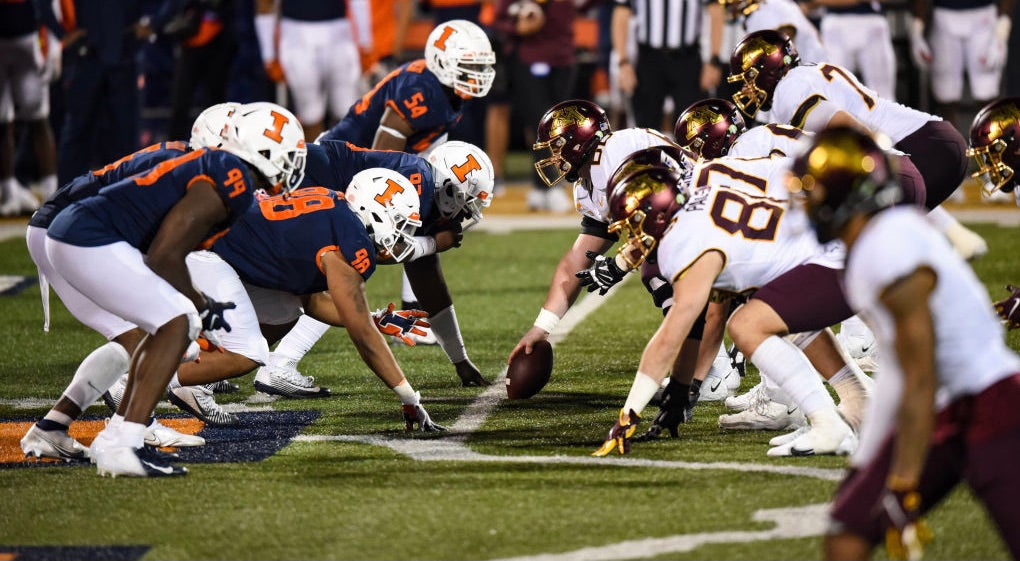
[(938, 335), (206, 35), (542, 68), (667, 35), (965, 36), (100, 85), (857, 37), (29, 60), (318, 54)]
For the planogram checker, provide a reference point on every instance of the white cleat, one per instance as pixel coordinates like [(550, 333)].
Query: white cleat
[(722, 381), (161, 436), (827, 439), (764, 414), (198, 401), (863, 351), (788, 437), (287, 382), (135, 462), (53, 444), (743, 401), (113, 396)]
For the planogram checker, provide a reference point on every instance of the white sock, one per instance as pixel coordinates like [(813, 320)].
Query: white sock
[(787, 366), (447, 332), (96, 374), (641, 392), (58, 417), (296, 344), (941, 219), (852, 385), (406, 292), (131, 434), (48, 184)]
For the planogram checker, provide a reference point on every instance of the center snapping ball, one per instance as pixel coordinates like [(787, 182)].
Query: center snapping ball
[(528, 374)]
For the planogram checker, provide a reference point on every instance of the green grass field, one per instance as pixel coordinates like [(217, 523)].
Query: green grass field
[(520, 484)]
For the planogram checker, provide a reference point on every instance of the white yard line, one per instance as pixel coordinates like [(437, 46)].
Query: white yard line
[(796, 522)]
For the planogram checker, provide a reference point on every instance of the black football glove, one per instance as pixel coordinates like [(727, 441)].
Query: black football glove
[(212, 314), (1009, 308), (602, 275), (674, 409)]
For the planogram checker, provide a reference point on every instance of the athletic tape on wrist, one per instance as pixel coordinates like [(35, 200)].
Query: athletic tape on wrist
[(547, 320)]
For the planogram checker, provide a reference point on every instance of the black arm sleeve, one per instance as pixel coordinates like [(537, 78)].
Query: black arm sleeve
[(592, 227)]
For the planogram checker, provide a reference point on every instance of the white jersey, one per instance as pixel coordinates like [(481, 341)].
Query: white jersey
[(810, 94), (970, 352), (758, 142), (613, 149), (776, 14), (741, 209)]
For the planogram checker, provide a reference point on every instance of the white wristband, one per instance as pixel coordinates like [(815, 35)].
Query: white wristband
[(1003, 25), (423, 245), (547, 320), (392, 132), (406, 393), (265, 30)]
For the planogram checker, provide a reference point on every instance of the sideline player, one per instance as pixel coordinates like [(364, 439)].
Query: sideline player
[(933, 319), (783, 15)]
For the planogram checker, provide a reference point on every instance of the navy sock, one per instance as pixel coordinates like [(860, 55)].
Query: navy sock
[(46, 424)]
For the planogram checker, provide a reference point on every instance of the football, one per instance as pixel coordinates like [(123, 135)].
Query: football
[(528, 374)]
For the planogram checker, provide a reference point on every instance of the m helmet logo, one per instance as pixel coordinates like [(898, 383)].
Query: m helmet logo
[(278, 122), (759, 48), (701, 117), (568, 116)]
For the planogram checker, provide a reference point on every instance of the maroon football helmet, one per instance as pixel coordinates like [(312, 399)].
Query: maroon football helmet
[(842, 173), (567, 136), (995, 145), (709, 127), (759, 61), (642, 206), (667, 156)]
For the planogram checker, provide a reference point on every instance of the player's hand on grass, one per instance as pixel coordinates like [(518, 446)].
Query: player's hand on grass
[(620, 435)]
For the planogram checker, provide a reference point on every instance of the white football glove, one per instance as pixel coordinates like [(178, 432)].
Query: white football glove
[(417, 418), (996, 51), (919, 49)]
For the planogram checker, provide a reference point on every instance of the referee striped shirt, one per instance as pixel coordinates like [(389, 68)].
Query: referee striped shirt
[(666, 24)]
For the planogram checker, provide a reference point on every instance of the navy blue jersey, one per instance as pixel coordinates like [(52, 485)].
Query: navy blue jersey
[(333, 164), (279, 243), (89, 183), (313, 10), (412, 91), (133, 209)]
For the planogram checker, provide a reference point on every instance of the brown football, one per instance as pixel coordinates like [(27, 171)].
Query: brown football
[(528, 374)]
